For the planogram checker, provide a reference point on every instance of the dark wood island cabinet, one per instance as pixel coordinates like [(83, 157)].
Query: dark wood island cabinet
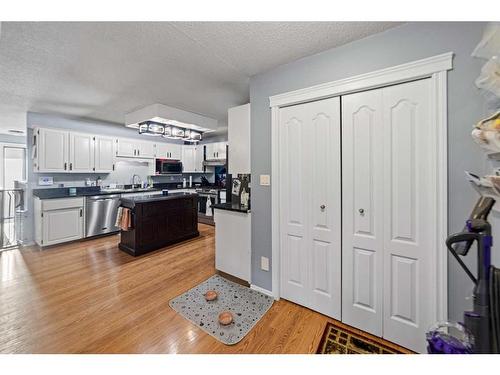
[(159, 221)]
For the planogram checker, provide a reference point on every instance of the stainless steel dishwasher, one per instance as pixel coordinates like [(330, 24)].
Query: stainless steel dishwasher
[(100, 214)]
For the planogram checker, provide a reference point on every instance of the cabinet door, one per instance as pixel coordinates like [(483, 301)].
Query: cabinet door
[(362, 206), (126, 148), (145, 149), (81, 153), (233, 243), (175, 151), (188, 158), (238, 130), (211, 151), (161, 150), (198, 159), (104, 157), (62, 225), (169, 151), (221, 150), (52, 150)]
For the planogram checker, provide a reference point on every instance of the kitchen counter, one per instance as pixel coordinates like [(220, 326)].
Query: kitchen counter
[(232, 207), (159, 221), (131, 202)]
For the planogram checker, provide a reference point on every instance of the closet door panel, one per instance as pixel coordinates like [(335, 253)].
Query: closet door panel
[(294, 196), (325, 259), (362, 179), (310, 205), (410, 183)]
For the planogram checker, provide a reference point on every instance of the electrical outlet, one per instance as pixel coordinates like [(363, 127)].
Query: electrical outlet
[(265, 180), (264, 263)]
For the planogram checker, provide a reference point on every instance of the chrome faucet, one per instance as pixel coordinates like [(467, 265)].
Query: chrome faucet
[(133, 181)]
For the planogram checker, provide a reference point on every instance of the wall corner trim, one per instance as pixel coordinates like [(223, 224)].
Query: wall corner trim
[(263, 291), (397, 74)]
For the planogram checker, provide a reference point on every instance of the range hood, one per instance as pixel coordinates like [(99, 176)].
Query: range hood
[(215, 162), (163, 114)]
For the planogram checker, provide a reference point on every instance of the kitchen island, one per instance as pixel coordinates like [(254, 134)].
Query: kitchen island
[(159, 221)]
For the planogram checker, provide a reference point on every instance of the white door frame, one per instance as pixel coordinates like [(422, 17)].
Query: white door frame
[(435, 68)]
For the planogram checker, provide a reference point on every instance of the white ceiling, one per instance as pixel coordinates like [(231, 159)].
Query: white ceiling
[(104, 70)]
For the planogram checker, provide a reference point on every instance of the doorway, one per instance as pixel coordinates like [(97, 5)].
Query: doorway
[(13, 165)]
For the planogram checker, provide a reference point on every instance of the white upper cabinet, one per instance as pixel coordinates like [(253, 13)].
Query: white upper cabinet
[(239, 139), (221, 150), (169, 151), (145, 149), (50, 151), (104, 156), (188, 158), (133, 148), (192, 158), (81, 152), (198, 159), (175, 151), (59, 151), (210, 151), (126, 147), (216, 151)]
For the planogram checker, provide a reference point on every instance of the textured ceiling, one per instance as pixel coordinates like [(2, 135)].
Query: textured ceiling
[(104, 70)]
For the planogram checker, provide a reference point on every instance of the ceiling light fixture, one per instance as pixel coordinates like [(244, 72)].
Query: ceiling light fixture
[(151, 128)]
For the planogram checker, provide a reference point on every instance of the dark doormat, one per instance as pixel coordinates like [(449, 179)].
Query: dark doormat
[(343, 340)]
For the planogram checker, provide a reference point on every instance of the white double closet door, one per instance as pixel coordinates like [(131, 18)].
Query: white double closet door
[(310, 205), (382, 202)]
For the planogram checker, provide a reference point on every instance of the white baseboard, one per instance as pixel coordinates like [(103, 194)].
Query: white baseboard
[(262, 290)]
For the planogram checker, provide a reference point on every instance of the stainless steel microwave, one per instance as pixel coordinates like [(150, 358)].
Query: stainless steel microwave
[(168, 166)]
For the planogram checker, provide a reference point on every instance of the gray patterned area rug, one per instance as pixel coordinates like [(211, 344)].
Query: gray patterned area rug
[(247, 306)]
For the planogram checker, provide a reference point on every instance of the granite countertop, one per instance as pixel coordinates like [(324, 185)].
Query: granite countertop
[(232, 207), (146, 198), (54, 193)]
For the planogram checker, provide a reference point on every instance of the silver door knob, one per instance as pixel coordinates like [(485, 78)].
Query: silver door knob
[(322, 206), (361, 211)]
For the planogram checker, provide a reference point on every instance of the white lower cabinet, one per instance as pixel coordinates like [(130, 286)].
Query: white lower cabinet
[(233, 243), (58, 220)]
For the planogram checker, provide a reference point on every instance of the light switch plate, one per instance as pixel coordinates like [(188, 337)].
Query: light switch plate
[(264, 263), (265, 180), (45, 181)]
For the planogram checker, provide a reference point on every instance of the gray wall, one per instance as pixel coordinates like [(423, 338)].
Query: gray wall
[(396, 46)]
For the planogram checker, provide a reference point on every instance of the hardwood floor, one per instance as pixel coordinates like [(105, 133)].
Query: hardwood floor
[(90, 297)]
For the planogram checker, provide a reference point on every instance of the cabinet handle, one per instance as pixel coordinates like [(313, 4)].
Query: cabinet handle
[(65, 166), (361, 211), (70, 166), (81, 212), (138, 152), (113, 167), (322, 207)]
